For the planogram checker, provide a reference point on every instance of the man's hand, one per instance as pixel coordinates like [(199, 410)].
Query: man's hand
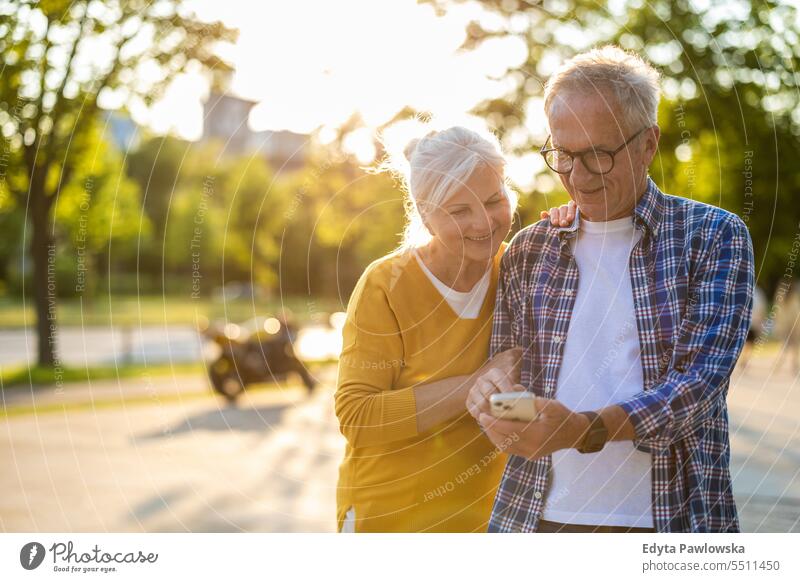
[(555, 428), (500, 374)]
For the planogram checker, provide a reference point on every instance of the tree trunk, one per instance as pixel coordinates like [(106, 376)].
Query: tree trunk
[(43, 253)]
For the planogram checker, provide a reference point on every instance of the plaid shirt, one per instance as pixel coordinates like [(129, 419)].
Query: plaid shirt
[(692, 280)]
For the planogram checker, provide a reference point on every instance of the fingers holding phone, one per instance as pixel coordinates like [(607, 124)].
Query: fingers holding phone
[(509, 362), (492, 382)]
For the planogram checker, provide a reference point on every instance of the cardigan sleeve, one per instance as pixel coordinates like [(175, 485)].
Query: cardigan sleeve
[(371, 408)]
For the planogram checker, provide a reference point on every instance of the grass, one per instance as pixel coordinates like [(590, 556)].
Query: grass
[(97, 404), (132, 310), (17, 376), (24, 377)]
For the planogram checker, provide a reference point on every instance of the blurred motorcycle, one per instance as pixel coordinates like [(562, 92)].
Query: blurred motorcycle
[(258, 351)]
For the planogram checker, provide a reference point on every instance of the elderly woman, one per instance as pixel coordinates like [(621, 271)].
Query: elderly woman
[(415, 341)]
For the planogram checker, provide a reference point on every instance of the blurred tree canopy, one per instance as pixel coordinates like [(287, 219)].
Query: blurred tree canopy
[(306, 232), (729, 116), (60, 59), (99, 217), (173, 216)]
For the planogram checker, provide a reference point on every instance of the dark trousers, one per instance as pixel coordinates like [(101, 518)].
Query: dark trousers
[(555, 527)]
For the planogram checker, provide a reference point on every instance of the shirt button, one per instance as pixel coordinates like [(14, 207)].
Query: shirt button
[(558, 339), (568, 292), (537, 494)]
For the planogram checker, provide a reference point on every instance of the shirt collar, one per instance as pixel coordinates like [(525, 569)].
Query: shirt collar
[(647, 215), (650, 209)]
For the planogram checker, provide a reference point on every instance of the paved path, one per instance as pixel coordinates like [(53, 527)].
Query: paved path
[(104, 345), (176, 464), (764, 409), (177, 459)]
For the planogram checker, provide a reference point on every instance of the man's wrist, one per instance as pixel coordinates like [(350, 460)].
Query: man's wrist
[(618, 424), (579, 426)]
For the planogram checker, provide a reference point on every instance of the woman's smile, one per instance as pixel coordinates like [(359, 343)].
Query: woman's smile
[(481, 238)]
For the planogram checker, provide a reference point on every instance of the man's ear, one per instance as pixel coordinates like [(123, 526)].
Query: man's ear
[(651, 144)]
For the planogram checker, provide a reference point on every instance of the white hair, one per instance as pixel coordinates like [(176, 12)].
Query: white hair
[(626, 77), (438, 164)]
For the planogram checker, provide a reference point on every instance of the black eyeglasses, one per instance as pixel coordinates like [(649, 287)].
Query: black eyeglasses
[(595, 160)]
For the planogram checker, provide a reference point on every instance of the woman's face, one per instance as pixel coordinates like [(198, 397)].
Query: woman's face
[(475, 220)]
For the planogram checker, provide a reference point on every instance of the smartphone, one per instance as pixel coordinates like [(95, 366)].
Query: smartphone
[(514, 405)]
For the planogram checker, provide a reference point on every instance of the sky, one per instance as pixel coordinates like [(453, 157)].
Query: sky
[(311, 65)]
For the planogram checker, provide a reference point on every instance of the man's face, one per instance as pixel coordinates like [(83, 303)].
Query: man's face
[(582, 122)]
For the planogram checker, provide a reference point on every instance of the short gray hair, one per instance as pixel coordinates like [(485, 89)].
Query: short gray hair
[(630, 80)]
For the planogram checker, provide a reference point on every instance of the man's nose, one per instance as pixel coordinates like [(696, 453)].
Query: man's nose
[(580, 176)]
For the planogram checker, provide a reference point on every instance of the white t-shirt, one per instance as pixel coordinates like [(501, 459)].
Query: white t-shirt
[(466, 304), (601, 366)]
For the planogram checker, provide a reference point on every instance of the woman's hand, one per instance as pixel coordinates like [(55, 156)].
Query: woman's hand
[(500, 374), (507, 361), (560, 215)]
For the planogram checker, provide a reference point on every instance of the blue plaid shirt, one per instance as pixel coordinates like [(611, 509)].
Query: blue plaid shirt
[(692, 280)]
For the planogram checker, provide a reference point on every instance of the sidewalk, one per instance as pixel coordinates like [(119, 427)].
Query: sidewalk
[(178, 464), (763, 405), (169, 455), (106, 392)]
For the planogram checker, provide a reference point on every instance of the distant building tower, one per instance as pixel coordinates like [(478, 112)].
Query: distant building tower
[(225, 118)]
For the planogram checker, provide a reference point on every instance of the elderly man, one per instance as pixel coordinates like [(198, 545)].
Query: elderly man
[(631, 320)]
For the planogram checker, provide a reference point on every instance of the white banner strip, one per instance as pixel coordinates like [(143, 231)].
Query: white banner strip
[(389, 557)]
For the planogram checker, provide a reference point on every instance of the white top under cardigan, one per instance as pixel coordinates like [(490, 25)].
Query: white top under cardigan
[(465, 304)]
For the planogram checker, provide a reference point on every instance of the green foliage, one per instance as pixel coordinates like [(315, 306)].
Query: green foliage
[(312, 230), (345, 219), (60, 59), (730, 97), (101, 204), (25, 377), (173, 209)]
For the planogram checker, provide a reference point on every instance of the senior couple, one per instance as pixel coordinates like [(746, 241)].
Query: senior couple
[(625, 319)]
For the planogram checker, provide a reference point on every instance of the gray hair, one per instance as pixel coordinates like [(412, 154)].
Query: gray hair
[(626, 77), (438, 164)]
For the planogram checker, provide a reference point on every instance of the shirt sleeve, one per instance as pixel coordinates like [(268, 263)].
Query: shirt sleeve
[(503, 326), (371, 408), (711, 338)]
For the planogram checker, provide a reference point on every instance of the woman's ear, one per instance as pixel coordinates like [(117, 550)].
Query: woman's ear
[(426, 223)]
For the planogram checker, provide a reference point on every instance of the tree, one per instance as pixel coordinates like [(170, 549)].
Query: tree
[(155, 165), (60, 57), (158, 166), (341, 218), (99, 212), (730, 118)]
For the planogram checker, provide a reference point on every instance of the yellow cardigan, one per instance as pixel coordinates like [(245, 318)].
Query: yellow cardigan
[(401, 332)]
